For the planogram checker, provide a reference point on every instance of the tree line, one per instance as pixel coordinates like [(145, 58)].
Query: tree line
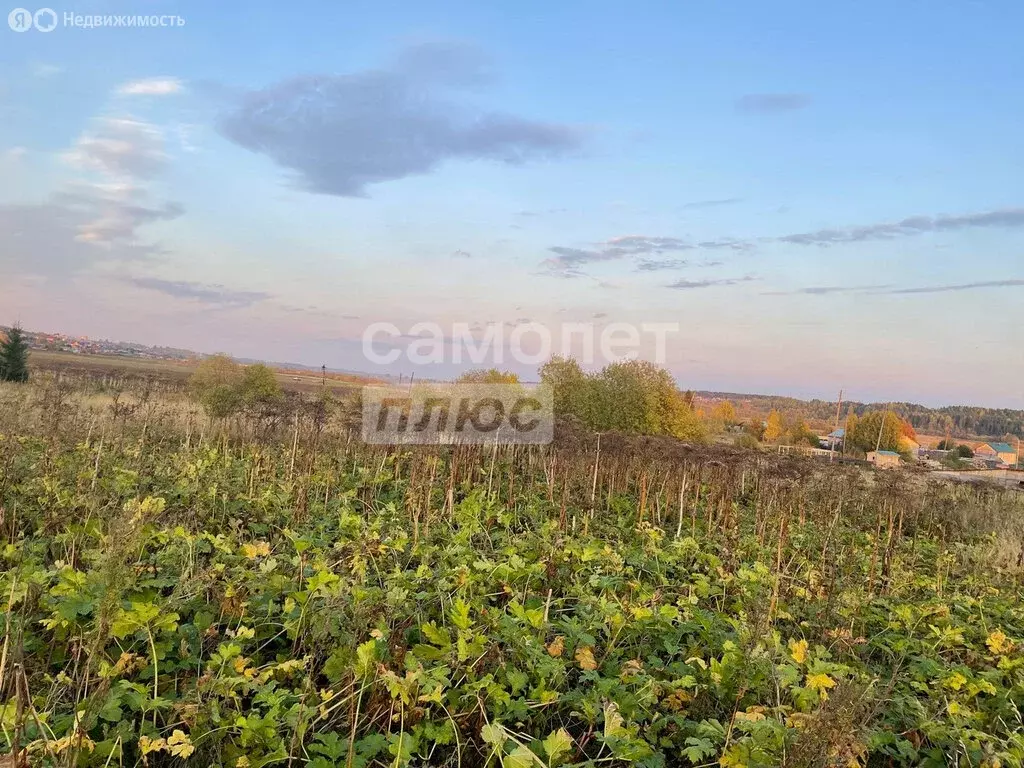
[(959, 420)]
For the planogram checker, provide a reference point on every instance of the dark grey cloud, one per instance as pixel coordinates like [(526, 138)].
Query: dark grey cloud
[(693, 284), (908, 227), (341, 133), (461, 254), (773, 102), (700, 204), (213, 295)]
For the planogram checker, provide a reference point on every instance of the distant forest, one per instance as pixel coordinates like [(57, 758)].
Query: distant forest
[(958, 420)]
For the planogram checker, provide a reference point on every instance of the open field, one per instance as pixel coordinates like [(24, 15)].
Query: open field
[(177, 371), (179, 591)]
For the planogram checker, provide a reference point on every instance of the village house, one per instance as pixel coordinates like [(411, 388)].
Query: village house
[(884, 459), (1003, 452), (833, 441)]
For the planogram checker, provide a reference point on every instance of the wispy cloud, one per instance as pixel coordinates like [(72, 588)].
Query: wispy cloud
[(119, 157), (120, 147), (652, 265), (773, 102), (151, 86), (461, 254), (340, 134), (43, 70), (682, 285), (824, 290), (961, 287), (568, 261), (908, 227), (699, 204), (210, 295)]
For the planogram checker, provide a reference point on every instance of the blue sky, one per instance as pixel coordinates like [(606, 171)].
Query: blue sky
[(822, 195)]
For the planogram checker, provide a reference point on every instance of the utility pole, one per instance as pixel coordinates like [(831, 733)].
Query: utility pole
[(835, 437), (881, 425)]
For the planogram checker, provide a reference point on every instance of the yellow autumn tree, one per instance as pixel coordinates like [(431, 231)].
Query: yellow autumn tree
[(774, 429)]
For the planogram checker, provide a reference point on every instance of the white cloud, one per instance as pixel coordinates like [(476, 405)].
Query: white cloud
[(152, 86), (41, 69), (120, 147)]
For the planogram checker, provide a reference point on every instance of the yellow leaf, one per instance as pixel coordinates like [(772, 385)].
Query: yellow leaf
[(585, 656), (820, 682), (751, 717), (255, 549), (180, 745), (556, 646), (955, 681), (998, 643), (798, 650), (147, 745)]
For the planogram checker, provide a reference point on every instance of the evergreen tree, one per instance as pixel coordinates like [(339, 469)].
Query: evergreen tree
[(14, 356)]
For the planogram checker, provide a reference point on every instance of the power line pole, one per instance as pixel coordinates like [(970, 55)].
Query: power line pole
[(881, 425), (835, 430)]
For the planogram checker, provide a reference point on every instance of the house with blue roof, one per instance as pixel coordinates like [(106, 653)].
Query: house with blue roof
[(1004, 452), (833, 440)]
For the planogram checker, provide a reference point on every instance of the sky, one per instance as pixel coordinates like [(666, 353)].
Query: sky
[(820, 195)]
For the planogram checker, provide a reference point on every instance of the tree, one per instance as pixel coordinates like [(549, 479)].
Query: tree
[(724, 412), (630, 396), (964, 451), (801, 433), (259, 386), (878, 430), (773, 429), (571, 389), (14, 356), (755, 428), (217, 384), (489, 376)]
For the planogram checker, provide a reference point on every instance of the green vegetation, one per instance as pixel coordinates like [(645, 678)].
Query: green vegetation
[(878, 430), (632, 396), (224, 387), (14, 356), (489, 376), (178, 595)]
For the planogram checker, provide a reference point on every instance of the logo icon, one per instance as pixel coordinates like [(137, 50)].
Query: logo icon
[(45, 19), (20, 20)]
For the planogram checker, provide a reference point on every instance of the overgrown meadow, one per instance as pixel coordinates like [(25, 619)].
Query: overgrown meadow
[(179, 591)]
